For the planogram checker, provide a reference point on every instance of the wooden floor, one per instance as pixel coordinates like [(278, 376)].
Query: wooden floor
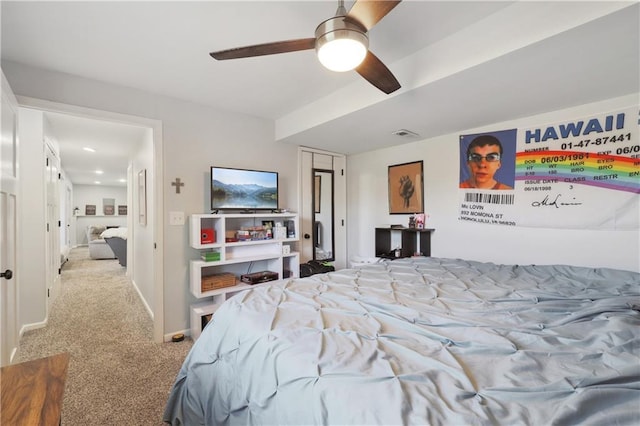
[(31, 392)]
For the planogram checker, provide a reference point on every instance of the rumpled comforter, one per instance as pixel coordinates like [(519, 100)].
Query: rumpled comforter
[(421, 341)]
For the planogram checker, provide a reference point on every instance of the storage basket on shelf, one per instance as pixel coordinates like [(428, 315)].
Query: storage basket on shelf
[(216, 281)]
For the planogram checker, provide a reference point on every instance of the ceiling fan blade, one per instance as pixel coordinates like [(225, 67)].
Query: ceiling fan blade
[(375, 72), (370, 12), (265, 49)]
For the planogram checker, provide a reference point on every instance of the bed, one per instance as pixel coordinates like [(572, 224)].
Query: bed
[(116, 238), (421, 341)]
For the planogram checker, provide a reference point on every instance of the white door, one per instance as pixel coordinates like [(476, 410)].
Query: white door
[(52, 249), (8, 226), (306, 206), (69, 215)]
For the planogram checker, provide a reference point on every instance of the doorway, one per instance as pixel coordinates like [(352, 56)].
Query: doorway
[(323, 218), (151, 269)]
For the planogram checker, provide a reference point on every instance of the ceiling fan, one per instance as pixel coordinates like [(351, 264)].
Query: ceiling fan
[(341, 43)]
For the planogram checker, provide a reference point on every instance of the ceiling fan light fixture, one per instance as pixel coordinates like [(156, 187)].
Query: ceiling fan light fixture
[(341, 45), (348, 31)]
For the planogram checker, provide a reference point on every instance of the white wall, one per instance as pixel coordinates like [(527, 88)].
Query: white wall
[(368, 207), (141, 266), (94, 194), (194, 138)]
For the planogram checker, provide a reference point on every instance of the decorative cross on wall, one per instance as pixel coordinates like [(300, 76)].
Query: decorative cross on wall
[(177, 184)]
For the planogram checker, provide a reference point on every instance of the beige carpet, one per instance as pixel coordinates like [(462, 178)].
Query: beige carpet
[(117, 374)]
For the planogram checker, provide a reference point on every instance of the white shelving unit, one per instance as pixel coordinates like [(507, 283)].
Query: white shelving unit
[(278, 255), (201, 313)]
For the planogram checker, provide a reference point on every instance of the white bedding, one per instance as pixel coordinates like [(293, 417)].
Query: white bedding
[(421, 341), (120, 232)]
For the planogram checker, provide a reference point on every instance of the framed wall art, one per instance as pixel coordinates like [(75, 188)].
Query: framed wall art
[(406, 188), (108, 206), (142, 197)]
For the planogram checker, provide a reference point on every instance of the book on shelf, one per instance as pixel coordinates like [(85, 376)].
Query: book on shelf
[(210, 256)]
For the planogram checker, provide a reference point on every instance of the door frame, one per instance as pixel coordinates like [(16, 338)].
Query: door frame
[(158, 195)]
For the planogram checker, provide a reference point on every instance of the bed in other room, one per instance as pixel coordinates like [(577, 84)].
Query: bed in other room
[(116, 238), (421, 341)]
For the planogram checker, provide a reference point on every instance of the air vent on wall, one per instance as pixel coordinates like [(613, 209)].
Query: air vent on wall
[(405, 133)]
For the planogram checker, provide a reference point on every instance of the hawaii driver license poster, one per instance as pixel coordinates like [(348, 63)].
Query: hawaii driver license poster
[(582, 173)]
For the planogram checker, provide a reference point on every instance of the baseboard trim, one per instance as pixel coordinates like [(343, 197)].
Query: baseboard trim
[(27, 327), (144, 302), (32, 326)]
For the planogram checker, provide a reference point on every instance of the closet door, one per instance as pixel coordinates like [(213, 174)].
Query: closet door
[(340, 211), (310, 162), (306, 206)]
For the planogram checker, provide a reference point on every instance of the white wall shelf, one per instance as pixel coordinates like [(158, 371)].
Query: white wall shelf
[(200, 315), (100, 215), (278, 255)]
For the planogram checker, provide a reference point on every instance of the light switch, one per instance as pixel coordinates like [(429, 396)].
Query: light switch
[(176, 218)]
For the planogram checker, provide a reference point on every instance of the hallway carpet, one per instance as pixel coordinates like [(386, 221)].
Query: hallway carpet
[(117, 374)]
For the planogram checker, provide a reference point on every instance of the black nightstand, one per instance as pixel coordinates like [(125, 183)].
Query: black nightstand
[(412, 241)]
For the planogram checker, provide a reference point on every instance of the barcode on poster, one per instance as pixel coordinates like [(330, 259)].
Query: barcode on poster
[(475, 197)]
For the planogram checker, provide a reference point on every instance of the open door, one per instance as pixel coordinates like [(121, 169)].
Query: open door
[(9, 322)]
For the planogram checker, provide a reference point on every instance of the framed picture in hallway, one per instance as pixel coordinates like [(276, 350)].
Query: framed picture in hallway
[(405, 188), (108, 206), (142, 197)]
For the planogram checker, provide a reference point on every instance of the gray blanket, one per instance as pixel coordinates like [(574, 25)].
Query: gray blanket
[(421, 341)]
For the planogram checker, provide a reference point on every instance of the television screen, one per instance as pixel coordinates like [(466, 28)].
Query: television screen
[(240, 189)]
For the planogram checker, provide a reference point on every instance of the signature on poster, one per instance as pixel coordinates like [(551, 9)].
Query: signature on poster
[(547, 201)]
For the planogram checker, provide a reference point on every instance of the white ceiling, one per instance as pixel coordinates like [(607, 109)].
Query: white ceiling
[(112, 144), (461, 64)]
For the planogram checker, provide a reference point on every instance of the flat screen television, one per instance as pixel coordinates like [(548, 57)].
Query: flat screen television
[(242, 189)]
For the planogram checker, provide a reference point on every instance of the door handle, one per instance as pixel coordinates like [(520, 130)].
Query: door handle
[(307, 236), (8, 274)]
